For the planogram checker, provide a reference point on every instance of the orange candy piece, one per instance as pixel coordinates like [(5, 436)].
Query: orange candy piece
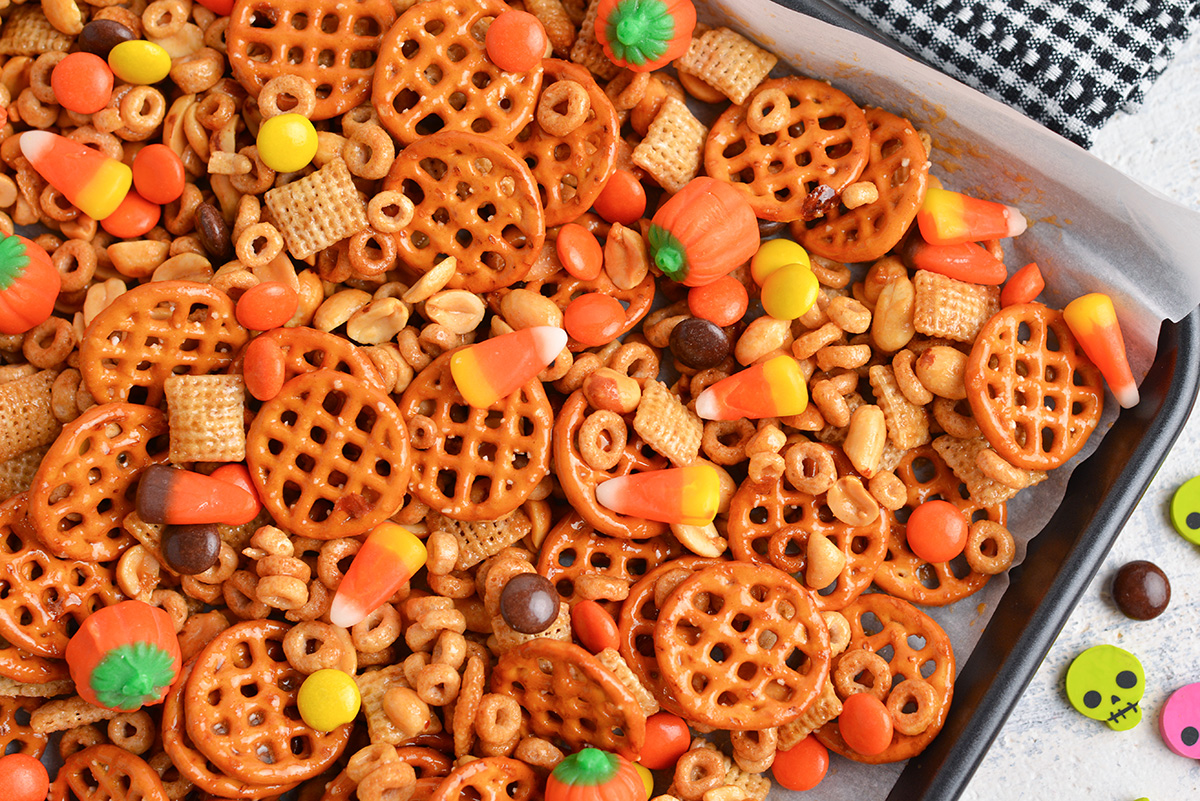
[(181, 497), (774, 388), (267, 305), (1093, 321), (722, 302), (594, 627), (238, 474), (516, 41), (390, 556), (495, 368), (803, 766), (865, 724), (133, 218), (964, 261), (263, 368), (950, 218), (93, 182), (1024, 286), (623, 199), (158, 174), (579, 251), (594, 319), (688, 495), (936, 531), (82, 82)]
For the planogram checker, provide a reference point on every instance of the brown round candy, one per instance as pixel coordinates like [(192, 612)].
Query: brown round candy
[(529, 603), (699, 343), (101, 35), (1141, 590), (191, 549)]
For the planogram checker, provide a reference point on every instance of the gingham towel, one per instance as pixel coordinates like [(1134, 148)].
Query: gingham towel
[(1069, 64)]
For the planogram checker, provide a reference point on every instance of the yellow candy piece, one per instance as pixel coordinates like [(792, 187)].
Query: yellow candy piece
[(789, 291), (287, 143), (647, 778), (773, 254), (328, 699), (139, 62)]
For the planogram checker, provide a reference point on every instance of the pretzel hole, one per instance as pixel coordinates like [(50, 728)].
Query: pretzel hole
[(1048, 439), (291, 492), (447, 480), (600, 561), (71, 520), (699, 682), (258, 53), (249, 690), (299, 21), (262, 19), (797, 659), (337, 479), (321, 509), (481, 489), (767, 639), (430, 124)]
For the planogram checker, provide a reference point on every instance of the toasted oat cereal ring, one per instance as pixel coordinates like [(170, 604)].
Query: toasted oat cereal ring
[(1034, 393), (260, 737), (821, 150), (742, 646), (899, 169), (434, 75), (307, 349), (329, 455), (84, 487), (154, 331), (191, 763), (15, 728), (926, 476), (636, 628), (770, 523), (579, 480), (573, 549), (490, 779), (571, 170), (482, 463), (571, 696), (107, 772), (474, 200), (331, 44), (20, 665), (919, 649)]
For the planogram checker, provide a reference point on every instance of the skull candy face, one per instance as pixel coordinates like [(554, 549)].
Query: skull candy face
[(1106, 683), (1179, 723)]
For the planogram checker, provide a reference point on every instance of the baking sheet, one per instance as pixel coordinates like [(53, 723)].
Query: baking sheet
[(1091, 229)]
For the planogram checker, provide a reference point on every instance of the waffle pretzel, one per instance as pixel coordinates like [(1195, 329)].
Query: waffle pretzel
[(822, 145), (1034, 393), (106, 772), (482, 463), (579, 479), (329, 455), (82, 491), (156, 330), (15, 727), (490, 779), (570, 695), (474, 200), (770, 524), (434, 75), (742, 646), (926, 476), (879, 622), (571, 180), (899, 168), (331, 44), (256, 737)]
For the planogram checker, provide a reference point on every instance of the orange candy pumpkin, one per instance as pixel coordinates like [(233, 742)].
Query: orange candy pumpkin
[(703, 232), (644, 35), (29, 284), (124, 656), (594, 775)]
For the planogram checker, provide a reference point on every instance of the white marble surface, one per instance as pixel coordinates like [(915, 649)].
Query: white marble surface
[(1047, 749)]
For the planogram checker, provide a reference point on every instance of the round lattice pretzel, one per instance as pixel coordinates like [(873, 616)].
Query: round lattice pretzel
[(919, 649), (329, 455), (899, 168), (332, 44), (579, 479), (434, 74), (474, 200), (85, 485), (926, 476), (240, 709), (742, 646), (770, 523), (106, 772), (573, 549), (482, 463), (795, 172), (490, 779), (571, 170), (1034, 393), (570, 696), (15, 728), (155, 331)]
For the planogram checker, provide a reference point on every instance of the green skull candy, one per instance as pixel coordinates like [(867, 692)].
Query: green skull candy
[(1106, 683)]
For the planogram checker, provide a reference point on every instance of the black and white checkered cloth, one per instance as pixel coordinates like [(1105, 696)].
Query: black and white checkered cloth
[(1069, 64)]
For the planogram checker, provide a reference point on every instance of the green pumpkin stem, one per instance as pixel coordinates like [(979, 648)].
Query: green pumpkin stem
[(640, 30), (13, 260), (668, 252), (132, 675), (588, 768)]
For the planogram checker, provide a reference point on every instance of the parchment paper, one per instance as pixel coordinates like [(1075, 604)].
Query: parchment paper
[(1091, 229)]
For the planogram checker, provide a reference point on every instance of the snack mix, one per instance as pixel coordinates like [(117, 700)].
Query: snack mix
[(452, 399)]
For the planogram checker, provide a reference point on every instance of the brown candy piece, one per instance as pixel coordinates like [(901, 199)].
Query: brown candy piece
[(1141, 590), (529, 603), (699, 343), (191, 549), (100, 36)]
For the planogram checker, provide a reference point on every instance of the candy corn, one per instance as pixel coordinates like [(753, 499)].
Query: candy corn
[(93, 182), (389, 557), (775, 388), (948, 218), (498, 367), (1093, 321), (965, 261), (180, 497), (687, 495)]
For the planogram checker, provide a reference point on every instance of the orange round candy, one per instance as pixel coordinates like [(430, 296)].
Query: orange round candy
[(133, 218), (936, 531), (516, 41), (267, 305), (667, 739), (803, 766), (579, 251), (594, 319), (594, 627), (723, 302), (263, 368), (23, 778), (623, 199), (82, 82), (865, 724), (158, 174)]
